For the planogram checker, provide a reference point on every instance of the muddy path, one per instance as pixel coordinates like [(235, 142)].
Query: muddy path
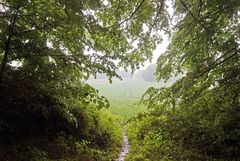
[(125, 148)]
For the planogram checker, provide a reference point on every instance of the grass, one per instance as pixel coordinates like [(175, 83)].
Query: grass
[(126, 89), (123, 95), (125, 108)]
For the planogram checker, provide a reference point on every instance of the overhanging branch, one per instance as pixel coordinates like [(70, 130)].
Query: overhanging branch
[(134, 12), (196, 19)]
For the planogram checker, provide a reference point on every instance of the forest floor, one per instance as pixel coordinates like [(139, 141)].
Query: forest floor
[(125, 148)]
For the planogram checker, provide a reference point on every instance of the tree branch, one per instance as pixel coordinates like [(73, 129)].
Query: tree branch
[(5, 5), (215, 64), (7, 46), (199, 8), (130, 17), (197, 20)]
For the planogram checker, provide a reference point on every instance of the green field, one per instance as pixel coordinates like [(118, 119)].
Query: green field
[(125, 89), (125, 108), (124, 94)]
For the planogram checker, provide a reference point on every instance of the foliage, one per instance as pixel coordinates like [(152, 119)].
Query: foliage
[(89, 36), (48, 48), (42, 124), (206, 130), (197, 118)]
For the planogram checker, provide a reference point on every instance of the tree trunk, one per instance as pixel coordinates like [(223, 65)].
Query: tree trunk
[(7, 47)]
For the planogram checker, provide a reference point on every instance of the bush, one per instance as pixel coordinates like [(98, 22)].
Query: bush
[(208, 129), (40, 123)]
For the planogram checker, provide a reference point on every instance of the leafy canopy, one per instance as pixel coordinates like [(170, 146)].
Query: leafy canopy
[(195, 118), (91, 36), (204, 48)]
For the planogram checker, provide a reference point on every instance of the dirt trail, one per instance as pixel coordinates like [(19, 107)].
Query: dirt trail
[(125, 148)]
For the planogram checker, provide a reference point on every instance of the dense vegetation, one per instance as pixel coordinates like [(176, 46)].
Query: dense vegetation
[(197, 118), (40, 124), (48, 48)]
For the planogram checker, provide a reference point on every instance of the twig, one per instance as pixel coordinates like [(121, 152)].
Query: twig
[(130, 17), (219, 63), (197, 20)]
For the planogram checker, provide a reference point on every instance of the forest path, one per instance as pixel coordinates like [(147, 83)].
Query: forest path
[(125, 148)]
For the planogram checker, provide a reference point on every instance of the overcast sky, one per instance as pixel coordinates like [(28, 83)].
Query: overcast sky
[(161, 48)]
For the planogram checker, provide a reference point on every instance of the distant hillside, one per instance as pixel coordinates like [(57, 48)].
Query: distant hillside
[(121, 73), (128, 88), (147, 74)]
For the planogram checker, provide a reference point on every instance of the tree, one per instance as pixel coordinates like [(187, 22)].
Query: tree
[(149, 74), (193, 116), (95, 36), (47, 111)]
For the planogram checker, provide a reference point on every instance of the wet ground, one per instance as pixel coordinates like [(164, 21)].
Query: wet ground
[(125, 148)]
